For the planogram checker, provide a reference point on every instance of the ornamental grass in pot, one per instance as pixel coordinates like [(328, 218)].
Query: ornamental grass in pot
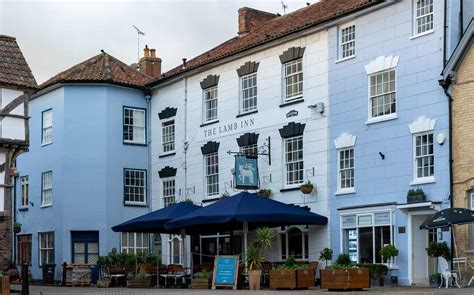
[(255, 256)]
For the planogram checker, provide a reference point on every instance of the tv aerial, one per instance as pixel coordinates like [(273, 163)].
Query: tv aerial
[(139, 33), (284, 6)]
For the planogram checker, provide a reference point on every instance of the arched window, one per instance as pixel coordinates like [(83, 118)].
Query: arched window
[(294, 243), (175, 250), (156, 246)]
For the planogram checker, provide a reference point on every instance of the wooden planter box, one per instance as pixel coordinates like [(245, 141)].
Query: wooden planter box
[(200, 283), (139, 282), (292, 279), (103, 283), (345, 279), (4, 285)]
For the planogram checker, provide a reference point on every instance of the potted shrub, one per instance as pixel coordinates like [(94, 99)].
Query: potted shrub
[(307, 187), (291, 275), (264, 192), (436, 249), (326, 255), (388, 253), (255, 256), (16, 227), (377, 271), (103, 262), (201, 280), (435, 280), (416, 195), (344, 275)]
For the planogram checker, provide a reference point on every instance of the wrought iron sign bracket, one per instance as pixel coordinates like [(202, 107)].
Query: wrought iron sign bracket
[(263, 150)]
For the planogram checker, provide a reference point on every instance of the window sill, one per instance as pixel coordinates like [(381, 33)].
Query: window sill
[(422, 34), (381, 119), (167, 155), (128, 204), (295, 101), (424, 180), (134, 143), (23, 209), (209, 123), (46, 206), (345, 191), (290, 189), (211, 199), (344, 59), (246, 114), (45, 144)]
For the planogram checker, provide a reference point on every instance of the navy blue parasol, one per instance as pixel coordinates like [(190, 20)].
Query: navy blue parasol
[(153, 222), (229, 213)]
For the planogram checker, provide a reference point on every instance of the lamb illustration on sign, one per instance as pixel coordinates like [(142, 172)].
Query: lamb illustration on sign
[(246, 172)]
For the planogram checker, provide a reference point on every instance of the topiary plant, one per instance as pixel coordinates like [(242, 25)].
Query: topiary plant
[(344, 260), (388, 252), (326, 255)]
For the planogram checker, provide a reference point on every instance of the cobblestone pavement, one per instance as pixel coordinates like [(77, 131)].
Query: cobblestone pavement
[(47, 290)]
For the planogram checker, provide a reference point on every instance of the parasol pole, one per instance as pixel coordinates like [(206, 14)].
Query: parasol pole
[(246, 229), (456, 252)]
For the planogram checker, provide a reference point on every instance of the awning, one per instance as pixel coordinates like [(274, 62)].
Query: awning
[(153, 222), (229, 214)]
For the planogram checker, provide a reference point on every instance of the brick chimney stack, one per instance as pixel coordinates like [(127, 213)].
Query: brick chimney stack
[(250, 19), (149, 63)]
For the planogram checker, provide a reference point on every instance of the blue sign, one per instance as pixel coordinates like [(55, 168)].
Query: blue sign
[(225, 270), (246, 172)]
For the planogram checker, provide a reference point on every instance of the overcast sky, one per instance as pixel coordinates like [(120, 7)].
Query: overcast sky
[(55, 35)]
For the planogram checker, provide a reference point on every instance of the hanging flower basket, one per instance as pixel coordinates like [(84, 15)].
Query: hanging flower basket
[(16, 227), (265, 193), (307, 188)]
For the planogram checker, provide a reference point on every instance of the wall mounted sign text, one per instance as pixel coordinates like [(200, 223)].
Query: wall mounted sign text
[(228, 127)]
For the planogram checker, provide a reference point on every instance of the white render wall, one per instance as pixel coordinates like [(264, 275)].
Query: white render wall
[(266, 122), (12, 128)]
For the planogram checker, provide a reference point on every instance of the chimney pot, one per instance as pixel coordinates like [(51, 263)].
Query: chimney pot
[(250, 18), (149, 63), (146, 51)]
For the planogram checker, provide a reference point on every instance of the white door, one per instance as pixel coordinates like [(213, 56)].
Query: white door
[(419, 257)]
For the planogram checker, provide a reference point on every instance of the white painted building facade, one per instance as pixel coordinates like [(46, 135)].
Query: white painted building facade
[(194, 133)]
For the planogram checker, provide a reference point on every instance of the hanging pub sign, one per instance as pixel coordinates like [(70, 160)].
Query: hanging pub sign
[(246, 172)]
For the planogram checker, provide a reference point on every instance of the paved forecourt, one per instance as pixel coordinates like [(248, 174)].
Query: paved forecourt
[(47, 290)]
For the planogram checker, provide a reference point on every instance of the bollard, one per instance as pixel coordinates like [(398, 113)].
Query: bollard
[(25, 283)]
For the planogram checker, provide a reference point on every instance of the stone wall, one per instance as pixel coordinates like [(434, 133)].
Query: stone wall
[(463, 142)]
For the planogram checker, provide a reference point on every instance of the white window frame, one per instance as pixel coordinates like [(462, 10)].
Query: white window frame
[(249, 89), (304, 232), (137, 127), (127, 247), (287, 163), (372, 213), (25, 191), (171, 239), (299, 95), (416, 18), (349, 189), (343, 43), (49, 247), (391, 115), (168, 136), (470, 199), (47, 127), (168, 190), (212, 103), (134, 187), (209, 176), (424, 179), (47, 189)]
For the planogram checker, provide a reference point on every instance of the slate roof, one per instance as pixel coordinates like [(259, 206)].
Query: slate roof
[(102, 68), (14, 69), (310, 16)]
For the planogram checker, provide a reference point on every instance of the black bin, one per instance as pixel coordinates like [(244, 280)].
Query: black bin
[(48, 273)]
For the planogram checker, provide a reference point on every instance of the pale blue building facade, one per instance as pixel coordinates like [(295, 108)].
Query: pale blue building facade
[(86, 170), (389, 125)]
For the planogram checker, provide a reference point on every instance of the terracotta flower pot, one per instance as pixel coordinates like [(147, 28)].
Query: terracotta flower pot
[(254, 279)]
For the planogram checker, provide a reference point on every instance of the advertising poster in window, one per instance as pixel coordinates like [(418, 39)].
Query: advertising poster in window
[(246, 172)]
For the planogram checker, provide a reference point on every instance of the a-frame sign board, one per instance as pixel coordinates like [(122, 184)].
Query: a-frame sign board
[(225, 271)]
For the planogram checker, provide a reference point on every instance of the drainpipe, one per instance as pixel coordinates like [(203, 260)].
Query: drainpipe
[(185, 143), (445, 28), (446, 84), (148, 136)]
